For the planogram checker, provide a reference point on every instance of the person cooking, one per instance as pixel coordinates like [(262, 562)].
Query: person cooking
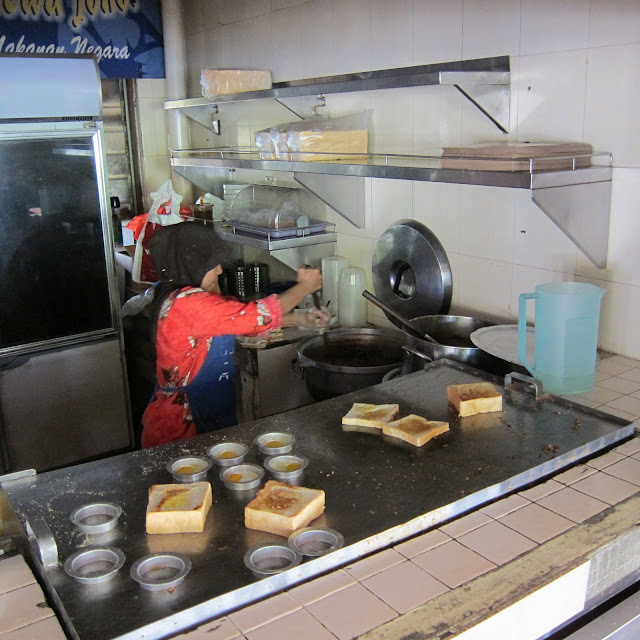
[(195, 330)]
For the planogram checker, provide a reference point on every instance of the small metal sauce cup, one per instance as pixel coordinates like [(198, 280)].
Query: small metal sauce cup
[(269, 558), (288, 467), (315, 541), (96, 565), (274, 444), (242, 477), (189, 468), (160, 571), (228, 454), (96, 518)]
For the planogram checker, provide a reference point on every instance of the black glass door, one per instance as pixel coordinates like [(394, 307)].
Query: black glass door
[(53, 275)]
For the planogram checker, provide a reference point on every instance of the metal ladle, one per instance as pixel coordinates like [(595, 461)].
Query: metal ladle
[(400, 318)]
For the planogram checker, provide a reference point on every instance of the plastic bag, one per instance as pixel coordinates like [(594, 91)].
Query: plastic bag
[(316, 139), (164, 211)]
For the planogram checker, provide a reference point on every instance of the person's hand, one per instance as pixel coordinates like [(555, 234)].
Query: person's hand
[(310, 279), (312, 318)]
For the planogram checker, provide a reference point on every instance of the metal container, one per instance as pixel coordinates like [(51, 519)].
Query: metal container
[(95, 565), (286, 468), (351, 359), (97, 517), (269, 558), (242, 477), (189, 468), (274, 443), (454, 342), (228, 454), (315, 541), (160, 571)]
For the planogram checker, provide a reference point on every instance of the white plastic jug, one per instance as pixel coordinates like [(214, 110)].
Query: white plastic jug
[(567, 316), (332, 268), (353, 307)]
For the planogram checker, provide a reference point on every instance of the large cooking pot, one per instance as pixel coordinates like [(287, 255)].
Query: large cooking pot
[(349, 360), (454, 342)]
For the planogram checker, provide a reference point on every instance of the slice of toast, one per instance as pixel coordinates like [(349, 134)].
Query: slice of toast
[(282, 509), (370, 415), (473, 398), (178, 508), (415, 429)]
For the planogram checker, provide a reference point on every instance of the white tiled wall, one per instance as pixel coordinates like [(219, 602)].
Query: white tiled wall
[(574, 77)]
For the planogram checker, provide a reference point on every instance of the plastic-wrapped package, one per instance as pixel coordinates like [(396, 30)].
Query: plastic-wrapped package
[(217, 82), (316, 139)]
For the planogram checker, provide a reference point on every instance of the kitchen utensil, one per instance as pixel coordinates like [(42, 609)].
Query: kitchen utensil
[(315, 541), (352, 308), (160, 571), (355, 359), (405, 322), (453, 334), (273, 444), (501, 341), (567, 315), (286, 468), (411, 272), (97, 517)]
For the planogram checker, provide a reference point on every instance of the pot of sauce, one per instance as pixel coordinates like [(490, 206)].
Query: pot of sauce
[(348, 360), (452, 333)]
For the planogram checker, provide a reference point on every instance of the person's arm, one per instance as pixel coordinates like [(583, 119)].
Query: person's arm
[(309, 281)]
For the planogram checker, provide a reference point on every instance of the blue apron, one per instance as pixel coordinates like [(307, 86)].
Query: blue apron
[(211, 394)]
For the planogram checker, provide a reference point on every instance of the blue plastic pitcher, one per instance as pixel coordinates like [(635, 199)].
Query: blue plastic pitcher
[(567, 315)]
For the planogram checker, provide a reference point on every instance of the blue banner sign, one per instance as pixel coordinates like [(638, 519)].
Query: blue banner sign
[(124, 35)]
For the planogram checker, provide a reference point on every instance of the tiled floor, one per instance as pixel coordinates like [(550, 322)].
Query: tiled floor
[(362, 596)]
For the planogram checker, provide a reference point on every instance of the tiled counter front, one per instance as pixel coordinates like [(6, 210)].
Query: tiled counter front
[(549, 543)]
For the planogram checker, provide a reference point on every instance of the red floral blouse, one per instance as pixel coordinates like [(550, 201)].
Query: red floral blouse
[(189, 318)]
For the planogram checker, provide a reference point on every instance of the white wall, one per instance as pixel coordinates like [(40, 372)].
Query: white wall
[(574, 77)]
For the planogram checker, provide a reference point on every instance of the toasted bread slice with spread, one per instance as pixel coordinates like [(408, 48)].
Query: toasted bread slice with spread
[(415, 429), (282, 509), (370, 415), (178, 508), (476, 397)]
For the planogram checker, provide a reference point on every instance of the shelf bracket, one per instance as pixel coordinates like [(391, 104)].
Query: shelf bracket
[(344, 194), (489, 91), (303, 106), (581, 210)]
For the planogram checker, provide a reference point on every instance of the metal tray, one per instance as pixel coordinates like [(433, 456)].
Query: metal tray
[(377, 493), (315, 226)]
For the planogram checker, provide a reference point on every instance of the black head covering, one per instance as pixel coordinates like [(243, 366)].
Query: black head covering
[(183, 253)]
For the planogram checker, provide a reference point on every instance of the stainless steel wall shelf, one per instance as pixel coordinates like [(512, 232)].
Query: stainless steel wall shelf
[(569, 197), (484, 81), (576, 199)]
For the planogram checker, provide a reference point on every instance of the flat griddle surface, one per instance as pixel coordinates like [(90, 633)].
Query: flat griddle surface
[(378, 491)]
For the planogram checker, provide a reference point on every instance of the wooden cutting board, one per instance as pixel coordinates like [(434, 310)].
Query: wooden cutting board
[(517, 156)]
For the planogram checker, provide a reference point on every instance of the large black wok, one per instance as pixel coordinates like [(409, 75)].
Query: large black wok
[(349, 359)]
